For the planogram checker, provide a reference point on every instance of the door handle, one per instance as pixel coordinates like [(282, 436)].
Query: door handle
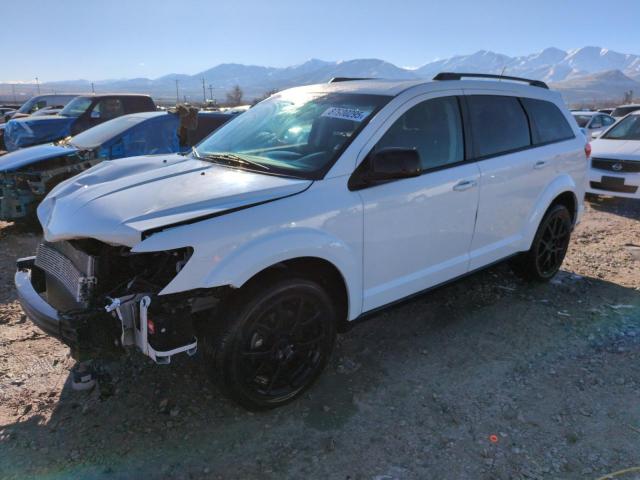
[(464, 185), (540, 164)]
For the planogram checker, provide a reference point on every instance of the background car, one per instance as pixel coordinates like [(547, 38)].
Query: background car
[(82, 113), (52, 110), (594, 122), (4, 111), (28, 174), (623, 110), (615, 161), (38, 102)]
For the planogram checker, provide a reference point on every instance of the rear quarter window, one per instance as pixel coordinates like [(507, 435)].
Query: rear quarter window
[(499, 124), (139, 104), (548, 124)]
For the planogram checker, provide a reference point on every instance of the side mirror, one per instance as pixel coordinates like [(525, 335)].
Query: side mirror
[(393, 164), (95, 114)]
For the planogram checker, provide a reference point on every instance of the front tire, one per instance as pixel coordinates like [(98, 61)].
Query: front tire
[(275, 342), (549, 246)]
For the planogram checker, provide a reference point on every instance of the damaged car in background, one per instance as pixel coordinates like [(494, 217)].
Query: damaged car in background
[(317, 206), (80, 114), (28, 174)]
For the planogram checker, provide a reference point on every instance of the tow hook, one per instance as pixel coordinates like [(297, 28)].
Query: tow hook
[(114, 305)]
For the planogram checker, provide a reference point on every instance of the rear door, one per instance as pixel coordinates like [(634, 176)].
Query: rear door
[(417, 231), (510, 176), (514, 142)]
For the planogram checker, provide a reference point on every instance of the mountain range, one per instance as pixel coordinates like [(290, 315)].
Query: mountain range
[(583, 75)]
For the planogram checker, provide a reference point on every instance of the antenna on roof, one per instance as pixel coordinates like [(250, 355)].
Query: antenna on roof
[(502, 73)]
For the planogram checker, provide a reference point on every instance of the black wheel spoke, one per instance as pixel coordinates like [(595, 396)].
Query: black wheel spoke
[(309, 344), (283, 346), (274, 377), (257, 355)]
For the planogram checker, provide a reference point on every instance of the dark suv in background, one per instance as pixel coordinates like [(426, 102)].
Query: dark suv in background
[(78, 115)]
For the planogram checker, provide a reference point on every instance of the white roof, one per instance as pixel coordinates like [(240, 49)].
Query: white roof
[(589, 113)]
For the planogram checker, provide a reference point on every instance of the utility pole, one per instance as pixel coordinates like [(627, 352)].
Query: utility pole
[(177, 93), (38, 85), (13, 90), (204, 94), (211, 92), (93, 90)]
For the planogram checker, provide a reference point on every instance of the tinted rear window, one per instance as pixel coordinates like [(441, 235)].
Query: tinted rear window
[(622, 111), (582, 120), (499, 124), (547, 121)]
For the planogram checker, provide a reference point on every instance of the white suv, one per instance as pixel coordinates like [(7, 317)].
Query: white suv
[(319, 205)]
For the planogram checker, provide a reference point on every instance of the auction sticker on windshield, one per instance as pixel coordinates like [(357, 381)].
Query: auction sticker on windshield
[(352, 114)]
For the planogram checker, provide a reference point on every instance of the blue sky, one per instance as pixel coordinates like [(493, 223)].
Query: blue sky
[(70, 39)]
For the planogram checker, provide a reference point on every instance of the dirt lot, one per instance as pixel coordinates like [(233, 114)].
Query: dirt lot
[(488, 378)]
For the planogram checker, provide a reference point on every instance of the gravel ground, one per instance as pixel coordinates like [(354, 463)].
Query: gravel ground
[(488, 378)]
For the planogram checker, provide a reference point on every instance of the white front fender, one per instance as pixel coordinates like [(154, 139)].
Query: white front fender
[(254, 257)]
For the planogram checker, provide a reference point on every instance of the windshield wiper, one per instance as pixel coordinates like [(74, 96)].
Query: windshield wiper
[(229, 158)]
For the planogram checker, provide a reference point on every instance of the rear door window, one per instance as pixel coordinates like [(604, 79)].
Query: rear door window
[(109, 108), (499, 124), (548, 124)]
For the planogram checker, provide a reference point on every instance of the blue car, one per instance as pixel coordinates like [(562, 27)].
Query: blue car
[(27, 175), (80, 114)]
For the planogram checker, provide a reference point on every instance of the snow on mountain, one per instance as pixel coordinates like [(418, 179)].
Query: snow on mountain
[(608, 85), (564, 68)]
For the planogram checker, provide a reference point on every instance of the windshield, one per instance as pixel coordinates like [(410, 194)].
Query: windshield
[(26, 107), (105, 131), (299, 134), (622, 111), (582, 120), (627, 129), (76, 107)]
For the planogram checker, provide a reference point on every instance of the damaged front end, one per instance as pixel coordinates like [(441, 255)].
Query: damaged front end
[(99, 299), (21, 190), (16, 198)]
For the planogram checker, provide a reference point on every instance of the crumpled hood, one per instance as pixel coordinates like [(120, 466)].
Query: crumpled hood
[(26, 156), (621, 149), (28, 131), (116, 201)]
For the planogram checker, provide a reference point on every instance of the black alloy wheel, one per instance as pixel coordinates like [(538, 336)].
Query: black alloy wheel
[(278, 344), (549, 246)]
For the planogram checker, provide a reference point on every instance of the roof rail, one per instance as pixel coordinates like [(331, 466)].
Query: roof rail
[(460, 76), (347, 79)]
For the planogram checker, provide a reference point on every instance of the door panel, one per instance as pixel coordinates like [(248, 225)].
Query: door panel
[(509, 187), (417, 233)]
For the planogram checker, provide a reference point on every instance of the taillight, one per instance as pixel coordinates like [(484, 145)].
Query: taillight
[(587, 150)]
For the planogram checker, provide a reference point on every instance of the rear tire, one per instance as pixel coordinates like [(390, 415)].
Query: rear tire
[(276, 339), (549, 246)]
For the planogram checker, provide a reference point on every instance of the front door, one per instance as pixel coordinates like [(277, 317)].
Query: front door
[(418, 231)]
